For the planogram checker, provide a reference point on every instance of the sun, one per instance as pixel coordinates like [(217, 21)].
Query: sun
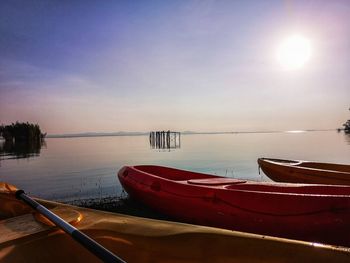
[(293, 52)]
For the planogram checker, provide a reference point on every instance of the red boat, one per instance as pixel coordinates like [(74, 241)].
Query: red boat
[(316, 213), (292, 171)]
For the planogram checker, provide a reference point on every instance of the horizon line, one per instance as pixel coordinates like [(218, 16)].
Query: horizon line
[(135, 133)]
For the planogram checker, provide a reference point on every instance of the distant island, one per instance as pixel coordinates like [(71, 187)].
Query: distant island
[(22, 132)]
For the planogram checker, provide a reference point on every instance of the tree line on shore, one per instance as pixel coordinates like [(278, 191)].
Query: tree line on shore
[(21, 132)]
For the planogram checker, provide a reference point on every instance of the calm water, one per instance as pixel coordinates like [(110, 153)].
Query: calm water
[(76, 168)]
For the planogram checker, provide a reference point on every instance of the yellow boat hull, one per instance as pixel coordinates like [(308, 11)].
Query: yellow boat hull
[(27, 237)]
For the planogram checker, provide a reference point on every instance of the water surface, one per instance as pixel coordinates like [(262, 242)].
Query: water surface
[(77, 168)]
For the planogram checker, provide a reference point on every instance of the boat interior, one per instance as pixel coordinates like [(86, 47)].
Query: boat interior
[(325, 190), (326, 166), (313, 165), (171, 173)]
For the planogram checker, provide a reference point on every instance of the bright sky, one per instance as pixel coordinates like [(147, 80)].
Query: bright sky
[(82, 66)]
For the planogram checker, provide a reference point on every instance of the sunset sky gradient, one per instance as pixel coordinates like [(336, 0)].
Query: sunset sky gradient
[(105, 66)]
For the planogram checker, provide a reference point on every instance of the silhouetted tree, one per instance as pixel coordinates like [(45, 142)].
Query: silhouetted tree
[(21, 132)]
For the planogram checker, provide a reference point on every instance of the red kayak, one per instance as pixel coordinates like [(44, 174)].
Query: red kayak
[(316, 213)]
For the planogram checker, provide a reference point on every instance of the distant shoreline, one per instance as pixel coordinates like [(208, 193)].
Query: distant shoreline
[(96, 135), (79, 135)]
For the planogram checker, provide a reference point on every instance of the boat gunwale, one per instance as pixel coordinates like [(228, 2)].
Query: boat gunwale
[(225, 187), (272, 161)]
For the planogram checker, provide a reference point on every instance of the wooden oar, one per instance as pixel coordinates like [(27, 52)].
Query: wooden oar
[(94, 247)]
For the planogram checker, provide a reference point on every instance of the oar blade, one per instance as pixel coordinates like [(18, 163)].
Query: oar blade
[(10, 206), (6, 188)]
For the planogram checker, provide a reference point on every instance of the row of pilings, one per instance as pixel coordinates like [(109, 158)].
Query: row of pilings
[(165, 139)]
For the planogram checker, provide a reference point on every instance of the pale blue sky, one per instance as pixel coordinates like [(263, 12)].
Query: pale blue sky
[(79, 66)]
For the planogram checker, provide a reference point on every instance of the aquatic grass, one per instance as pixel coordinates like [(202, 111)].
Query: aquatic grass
[(122, 204)]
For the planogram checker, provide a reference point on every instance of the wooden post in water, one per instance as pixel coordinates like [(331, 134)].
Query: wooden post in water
[(164, 139), (168, 139)]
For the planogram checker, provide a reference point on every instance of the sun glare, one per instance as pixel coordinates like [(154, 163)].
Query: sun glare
[(294, 52)]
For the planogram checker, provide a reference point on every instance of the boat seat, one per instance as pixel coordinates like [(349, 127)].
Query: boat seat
[(28, 224), (216, 181)]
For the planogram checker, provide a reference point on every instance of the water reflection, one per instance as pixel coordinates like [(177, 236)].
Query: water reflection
[(18, 150), (347, 137)]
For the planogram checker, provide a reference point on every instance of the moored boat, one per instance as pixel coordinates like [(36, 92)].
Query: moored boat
[(317, 213), (293, 171), (28, 237)]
